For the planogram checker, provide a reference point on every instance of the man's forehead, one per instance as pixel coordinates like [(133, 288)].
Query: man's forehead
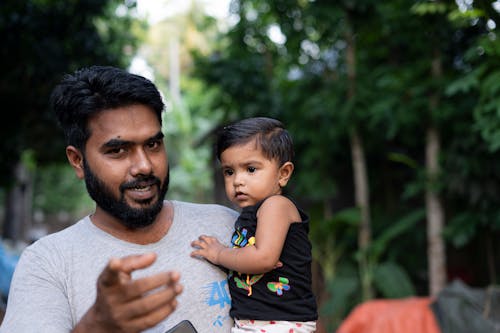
[(133, 123)]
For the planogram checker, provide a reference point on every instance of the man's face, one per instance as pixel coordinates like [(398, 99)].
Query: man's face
[(125, 165)]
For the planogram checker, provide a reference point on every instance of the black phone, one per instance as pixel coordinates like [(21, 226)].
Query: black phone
[(184, 326)]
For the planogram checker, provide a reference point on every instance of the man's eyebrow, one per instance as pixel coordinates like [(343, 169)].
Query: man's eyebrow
[(115, 143), (158, 136)]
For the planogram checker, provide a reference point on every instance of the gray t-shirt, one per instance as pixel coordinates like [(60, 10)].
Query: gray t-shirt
[(55, 280)]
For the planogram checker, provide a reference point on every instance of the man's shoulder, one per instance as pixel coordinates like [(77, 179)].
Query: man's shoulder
[(205, 208), (62, 237), (52, 250)]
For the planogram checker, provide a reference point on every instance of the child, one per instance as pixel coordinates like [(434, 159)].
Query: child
[(270, 261)]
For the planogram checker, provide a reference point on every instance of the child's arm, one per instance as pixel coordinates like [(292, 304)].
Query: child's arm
[(273, 221)]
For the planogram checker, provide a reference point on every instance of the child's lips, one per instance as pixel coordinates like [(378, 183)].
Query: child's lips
[(240, 195)]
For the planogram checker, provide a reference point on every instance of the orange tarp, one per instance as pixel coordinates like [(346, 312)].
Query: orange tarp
[(408, 315)]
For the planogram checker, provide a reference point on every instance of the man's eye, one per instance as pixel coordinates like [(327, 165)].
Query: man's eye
[(115, 151), (155, 144), (251, 169)]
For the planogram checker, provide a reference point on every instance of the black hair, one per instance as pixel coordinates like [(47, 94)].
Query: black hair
[(270, 135), (91, 90)]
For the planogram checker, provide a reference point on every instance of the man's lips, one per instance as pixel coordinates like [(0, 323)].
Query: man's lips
[(141, 190), (139, 185)]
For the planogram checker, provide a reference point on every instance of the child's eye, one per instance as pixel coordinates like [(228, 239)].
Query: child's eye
[(251, 169), (227, 172)]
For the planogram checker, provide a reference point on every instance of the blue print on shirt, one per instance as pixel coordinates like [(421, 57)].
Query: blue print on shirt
[(218, 294), (219, 321)]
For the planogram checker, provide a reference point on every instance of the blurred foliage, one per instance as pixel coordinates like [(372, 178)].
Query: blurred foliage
[(187, 127), (286, 59), (190, 119), (333, 240), (41, 41), (57, 190)]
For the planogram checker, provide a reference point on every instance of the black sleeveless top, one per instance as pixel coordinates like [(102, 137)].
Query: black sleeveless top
[(284, 293)]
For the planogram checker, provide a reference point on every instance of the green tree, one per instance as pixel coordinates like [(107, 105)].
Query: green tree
[(472, 180), (42, 40), (422, 76), (189, 120)]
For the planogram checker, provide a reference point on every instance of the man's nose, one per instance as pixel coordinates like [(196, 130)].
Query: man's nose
[(141, 163)]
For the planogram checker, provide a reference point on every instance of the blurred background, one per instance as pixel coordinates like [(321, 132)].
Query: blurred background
[(394, 107)]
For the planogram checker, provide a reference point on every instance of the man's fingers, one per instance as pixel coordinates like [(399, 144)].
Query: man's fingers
[(151, 308), (118, 269), (135, 262), (111, 273), (152, 318), (161, 297), (133, 305), (137, 288)]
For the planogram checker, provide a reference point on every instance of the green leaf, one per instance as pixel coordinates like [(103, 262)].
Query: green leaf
[(392, 281), (463, 85), (381, 243)]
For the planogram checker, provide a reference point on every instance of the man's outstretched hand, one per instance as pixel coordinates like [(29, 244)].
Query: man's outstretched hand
[(130, 306)]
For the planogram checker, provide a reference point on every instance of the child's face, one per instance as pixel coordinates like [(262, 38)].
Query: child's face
[(249, 176)]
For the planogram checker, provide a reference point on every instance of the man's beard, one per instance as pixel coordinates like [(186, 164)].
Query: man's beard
[(133, 218)]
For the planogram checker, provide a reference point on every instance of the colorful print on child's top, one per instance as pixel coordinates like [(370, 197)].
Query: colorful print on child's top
[(248, 283), (279, 287), (240, 240)]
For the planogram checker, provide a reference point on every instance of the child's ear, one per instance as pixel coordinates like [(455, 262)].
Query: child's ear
[(75, 158), (285, 173)]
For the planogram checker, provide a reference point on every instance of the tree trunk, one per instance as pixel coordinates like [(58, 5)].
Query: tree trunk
[(18, 203), (175, 69), (435, 214), (361, 188)]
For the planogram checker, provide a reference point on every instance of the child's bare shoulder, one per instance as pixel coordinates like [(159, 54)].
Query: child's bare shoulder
[(278, 199), (279, 204)]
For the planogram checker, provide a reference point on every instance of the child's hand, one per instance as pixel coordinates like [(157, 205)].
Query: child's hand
[(207, 247)]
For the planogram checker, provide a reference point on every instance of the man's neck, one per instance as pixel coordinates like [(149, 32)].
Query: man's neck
[(146, 235)]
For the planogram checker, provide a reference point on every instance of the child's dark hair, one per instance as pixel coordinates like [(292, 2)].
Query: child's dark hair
[(91, 90), (270, 135)]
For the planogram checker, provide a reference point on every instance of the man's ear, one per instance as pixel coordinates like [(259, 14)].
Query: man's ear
[(75, 158), (285, 173)]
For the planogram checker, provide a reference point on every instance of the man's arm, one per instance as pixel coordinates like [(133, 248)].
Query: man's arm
[(126, 305), (38, 299)]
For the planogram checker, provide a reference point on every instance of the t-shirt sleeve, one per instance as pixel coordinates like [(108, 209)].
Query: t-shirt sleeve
[(37, 299)]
